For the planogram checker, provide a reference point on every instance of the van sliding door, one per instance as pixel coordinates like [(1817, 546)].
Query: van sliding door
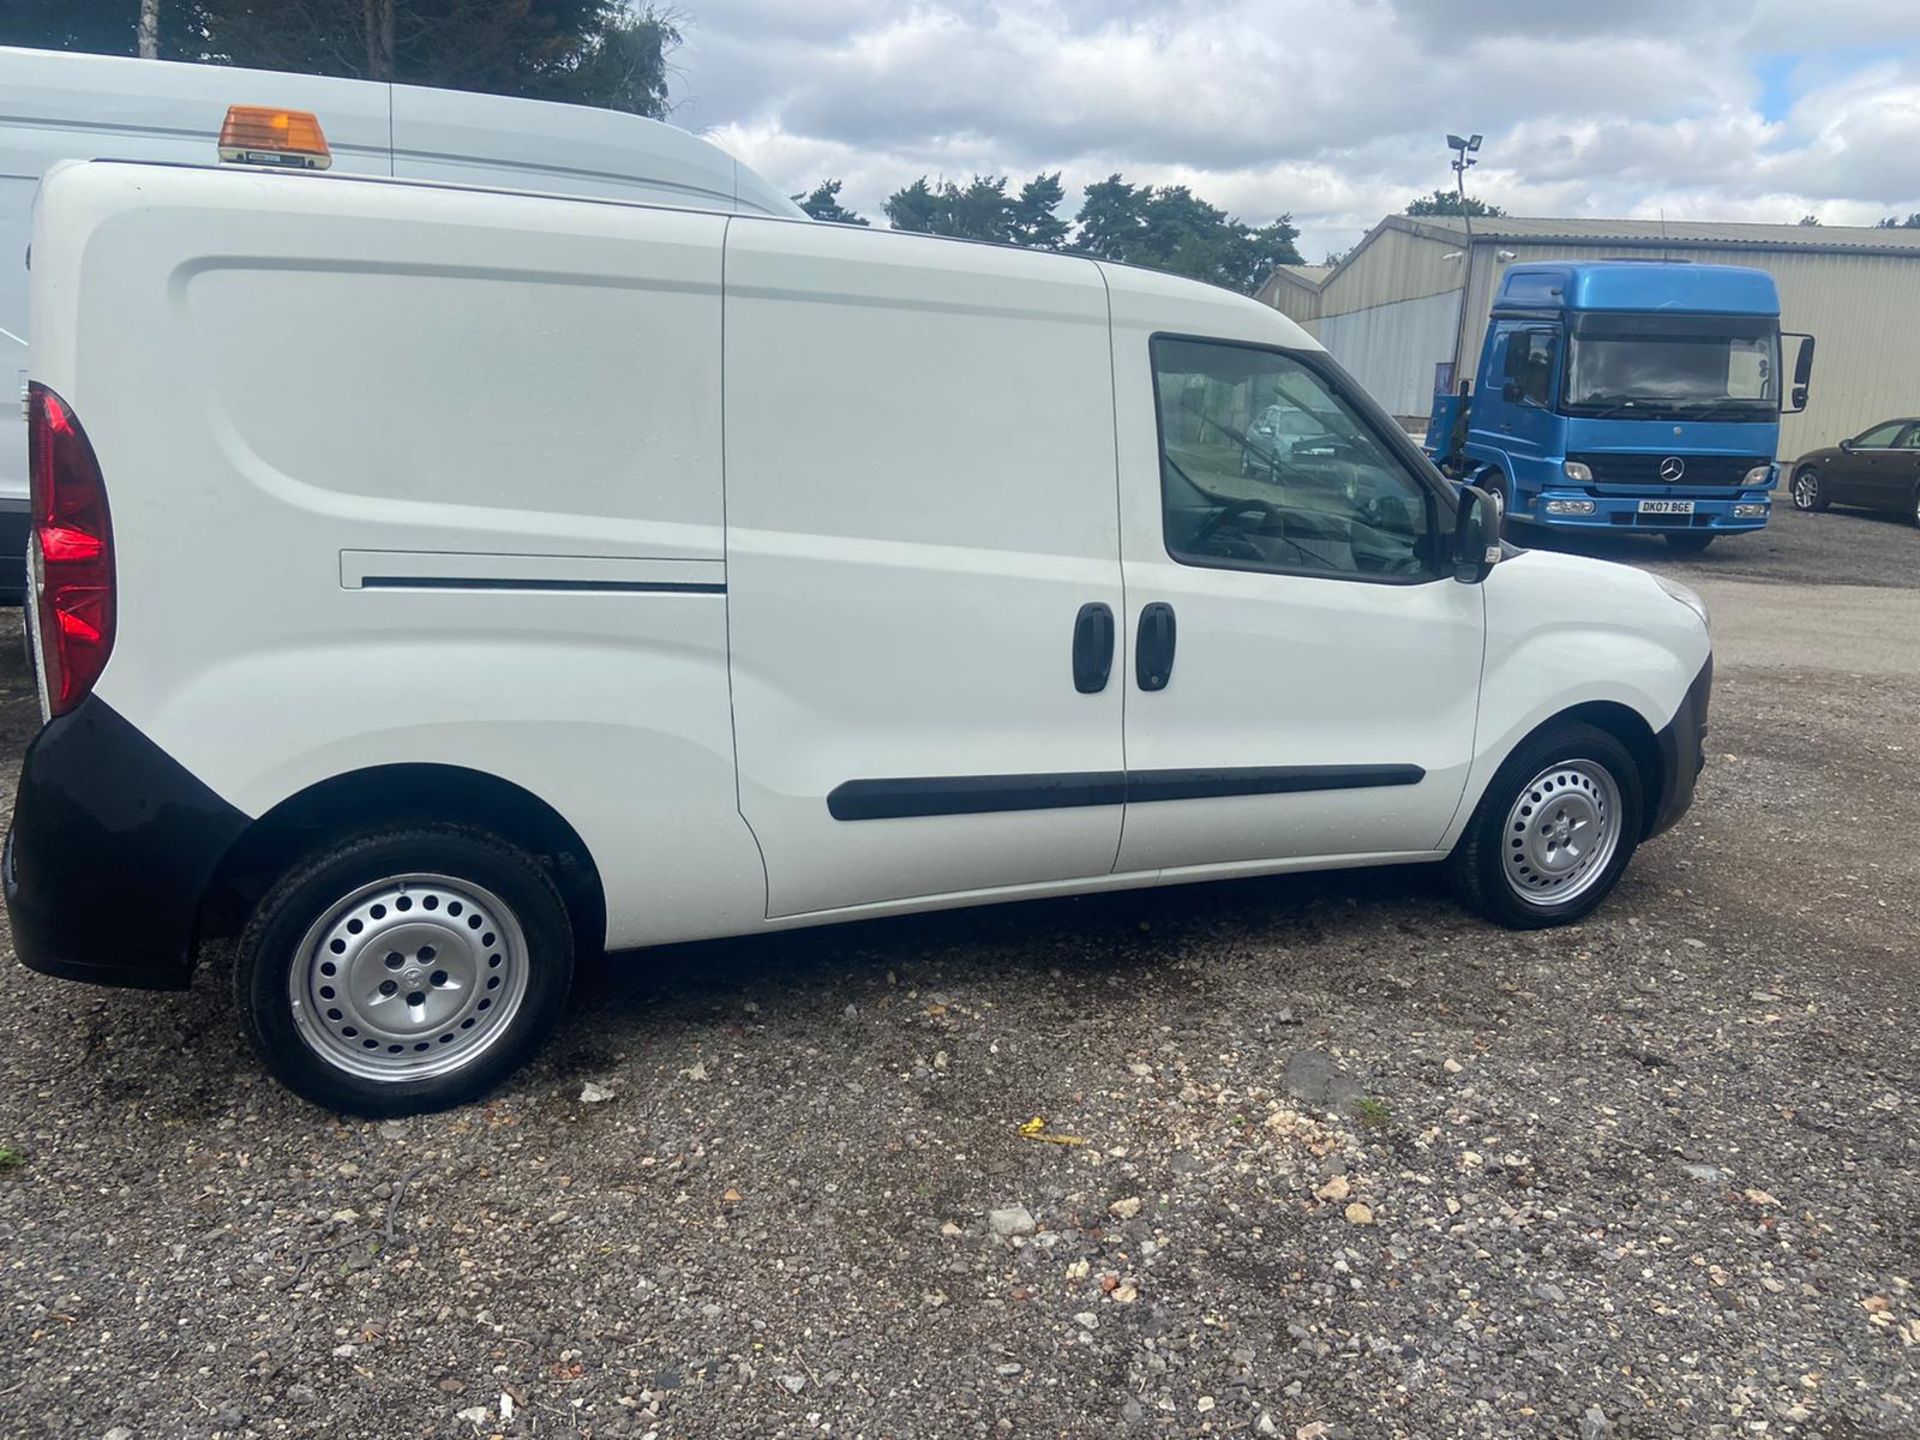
[(921, 525)]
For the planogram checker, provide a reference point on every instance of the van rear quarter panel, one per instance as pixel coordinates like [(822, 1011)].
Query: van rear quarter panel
[(281, 372)]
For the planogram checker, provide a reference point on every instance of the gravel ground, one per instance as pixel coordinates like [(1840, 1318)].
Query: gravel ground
[(1354, 1163)]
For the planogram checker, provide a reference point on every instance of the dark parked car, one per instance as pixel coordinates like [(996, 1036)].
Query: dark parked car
[(1878, 469)]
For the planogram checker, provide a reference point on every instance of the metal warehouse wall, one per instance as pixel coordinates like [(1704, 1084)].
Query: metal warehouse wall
[(1297, 302), (1863, 309), (1389, 266), (1391, 349)]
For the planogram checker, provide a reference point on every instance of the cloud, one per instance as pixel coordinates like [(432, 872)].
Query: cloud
[(1332, 110)]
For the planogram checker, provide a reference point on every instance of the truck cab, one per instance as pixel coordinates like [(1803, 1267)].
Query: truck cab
[(1626, 395)]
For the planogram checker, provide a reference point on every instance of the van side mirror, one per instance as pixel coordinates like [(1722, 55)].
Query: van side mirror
[(1476, 536)]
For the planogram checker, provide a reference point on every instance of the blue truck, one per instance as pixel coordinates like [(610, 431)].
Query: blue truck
[(1627, 396)]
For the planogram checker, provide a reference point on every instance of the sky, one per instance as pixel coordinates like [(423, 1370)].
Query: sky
[(1334, 111)]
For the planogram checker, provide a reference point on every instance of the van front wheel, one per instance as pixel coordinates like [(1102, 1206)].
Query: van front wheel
[(1554, 831), (404, 969)]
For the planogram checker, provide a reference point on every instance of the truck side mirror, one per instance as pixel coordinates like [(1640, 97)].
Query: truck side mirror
[(1476, 536), (1802, 372), (1510, 392)]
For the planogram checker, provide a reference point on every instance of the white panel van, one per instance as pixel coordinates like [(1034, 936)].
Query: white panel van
[(61, 106), (435, 585)]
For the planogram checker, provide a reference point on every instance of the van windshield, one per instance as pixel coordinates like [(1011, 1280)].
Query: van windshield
[(1674, 366)]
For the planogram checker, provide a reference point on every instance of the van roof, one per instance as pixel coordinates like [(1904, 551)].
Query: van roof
[(1172, 302), (125, 104)]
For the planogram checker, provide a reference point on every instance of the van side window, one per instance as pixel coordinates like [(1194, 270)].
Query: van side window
[(1264, 466)]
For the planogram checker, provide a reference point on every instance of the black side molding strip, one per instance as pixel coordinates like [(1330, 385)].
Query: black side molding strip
[(1146, 785), (989, 794), (974, 794), (483, 582)]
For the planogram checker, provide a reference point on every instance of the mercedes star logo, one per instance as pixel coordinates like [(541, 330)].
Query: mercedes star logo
[(1672, 468)]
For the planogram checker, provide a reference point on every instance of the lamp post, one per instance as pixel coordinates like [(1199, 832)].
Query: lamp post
[(1463, 160), (1464, 152)]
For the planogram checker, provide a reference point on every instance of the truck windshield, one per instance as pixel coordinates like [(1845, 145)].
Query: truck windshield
[(1699, 366)]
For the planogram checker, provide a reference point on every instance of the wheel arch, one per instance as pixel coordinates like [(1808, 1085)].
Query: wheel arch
[(1631, 729), (400, 793)]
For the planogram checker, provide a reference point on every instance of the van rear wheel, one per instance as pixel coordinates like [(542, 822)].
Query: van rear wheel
[(1554, 831), (404, 969)]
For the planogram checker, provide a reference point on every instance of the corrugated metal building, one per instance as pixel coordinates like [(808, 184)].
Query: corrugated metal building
[(1392, 310), (1294, 290)]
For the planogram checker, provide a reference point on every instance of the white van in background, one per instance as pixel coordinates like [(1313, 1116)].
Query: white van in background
[(60, 106), (435, 584)]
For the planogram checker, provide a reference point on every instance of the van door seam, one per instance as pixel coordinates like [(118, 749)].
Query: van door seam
[(1473, 742), (1121, 632), (726, 556)]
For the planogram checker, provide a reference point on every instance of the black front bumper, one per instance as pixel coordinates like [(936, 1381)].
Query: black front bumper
[(112, 848), (1683, 753)]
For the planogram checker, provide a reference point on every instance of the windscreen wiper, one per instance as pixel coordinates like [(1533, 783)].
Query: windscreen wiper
[(1617, 408), (1728, 407), (1238, 437)]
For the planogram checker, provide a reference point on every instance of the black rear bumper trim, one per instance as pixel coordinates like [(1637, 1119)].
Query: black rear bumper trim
[(112, 848)]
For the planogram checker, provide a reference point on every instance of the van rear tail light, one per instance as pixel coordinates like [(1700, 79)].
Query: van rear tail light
[(71, 551)]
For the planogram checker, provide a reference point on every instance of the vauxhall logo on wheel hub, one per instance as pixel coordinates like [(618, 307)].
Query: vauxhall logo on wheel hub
[(1672, 468)]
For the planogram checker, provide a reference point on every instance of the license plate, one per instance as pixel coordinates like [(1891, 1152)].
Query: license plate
[(1666, 507)]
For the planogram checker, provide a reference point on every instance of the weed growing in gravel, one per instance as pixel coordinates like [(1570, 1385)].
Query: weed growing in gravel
[(11, 1158), (1372, 1113)]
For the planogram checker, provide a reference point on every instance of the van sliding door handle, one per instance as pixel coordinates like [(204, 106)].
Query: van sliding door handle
[(1092, 648), (1153, 651)]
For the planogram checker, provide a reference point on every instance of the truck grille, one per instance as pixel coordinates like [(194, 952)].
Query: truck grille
[(1702, 470)]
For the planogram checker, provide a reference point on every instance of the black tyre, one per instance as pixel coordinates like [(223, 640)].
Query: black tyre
[(1913, 510), (1689, 543), (1501, 489), (1554, 831), (1809, 489), (404, 969)]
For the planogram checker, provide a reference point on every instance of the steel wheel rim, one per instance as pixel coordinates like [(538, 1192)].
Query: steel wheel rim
[(1806, 489), (460, 978), (1561, 833)]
